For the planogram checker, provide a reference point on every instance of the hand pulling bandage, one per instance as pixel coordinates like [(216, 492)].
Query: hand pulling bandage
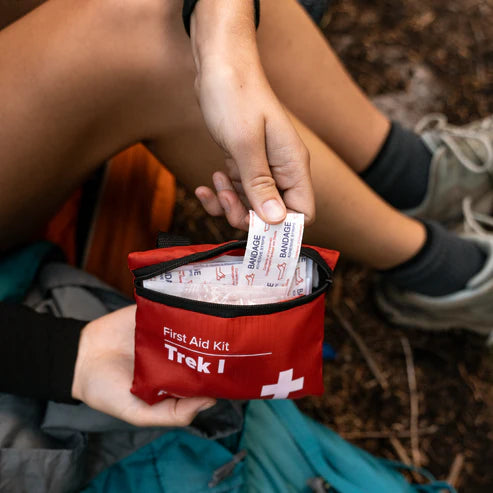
[(239, 320)]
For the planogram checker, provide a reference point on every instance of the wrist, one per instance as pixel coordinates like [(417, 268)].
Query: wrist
[(223, 30), (79, 363)]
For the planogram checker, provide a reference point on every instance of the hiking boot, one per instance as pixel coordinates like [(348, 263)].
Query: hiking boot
[(478, 217), (470, 308), (462, 166)]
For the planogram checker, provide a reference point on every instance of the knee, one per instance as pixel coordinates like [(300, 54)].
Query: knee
[(143, 46), (134, 13), (143, 32)]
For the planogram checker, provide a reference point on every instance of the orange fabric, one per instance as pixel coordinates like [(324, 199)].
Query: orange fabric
[(61, 229), (135, 203)]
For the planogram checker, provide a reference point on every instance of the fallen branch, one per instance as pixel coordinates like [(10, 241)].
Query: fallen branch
[(455, 470), (377, 373), (413, 402)]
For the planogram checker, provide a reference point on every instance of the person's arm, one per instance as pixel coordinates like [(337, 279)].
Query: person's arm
[(69, 361), (265, 157), (37, 353)]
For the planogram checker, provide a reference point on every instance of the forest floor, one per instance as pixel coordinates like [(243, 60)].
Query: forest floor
[(383, 43)]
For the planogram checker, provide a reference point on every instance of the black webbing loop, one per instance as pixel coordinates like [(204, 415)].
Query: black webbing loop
[(167, 240)]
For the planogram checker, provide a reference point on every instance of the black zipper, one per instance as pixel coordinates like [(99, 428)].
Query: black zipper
[(223, 310)]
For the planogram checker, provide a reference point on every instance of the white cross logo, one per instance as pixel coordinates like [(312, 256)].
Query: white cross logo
[(284, 386)]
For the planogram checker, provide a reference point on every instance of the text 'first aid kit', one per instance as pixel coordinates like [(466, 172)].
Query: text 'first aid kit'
[(239, 320)]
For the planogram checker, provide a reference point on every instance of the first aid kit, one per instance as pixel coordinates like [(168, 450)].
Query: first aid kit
[(239, 320)]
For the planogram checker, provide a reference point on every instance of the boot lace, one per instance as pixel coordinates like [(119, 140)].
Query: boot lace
[(478, 221), (452, 137)]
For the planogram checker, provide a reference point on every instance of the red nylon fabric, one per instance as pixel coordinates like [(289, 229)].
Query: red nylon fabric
[(183, 353), (137, 260)]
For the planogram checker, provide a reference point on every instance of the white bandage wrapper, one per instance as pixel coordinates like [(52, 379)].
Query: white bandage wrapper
[(271, 270), (272, 252), (222, 271), (216, 293)]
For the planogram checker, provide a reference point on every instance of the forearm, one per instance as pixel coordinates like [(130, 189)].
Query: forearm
[(37, 353), (263, 152)]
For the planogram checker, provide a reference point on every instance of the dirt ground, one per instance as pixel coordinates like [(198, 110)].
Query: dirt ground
[(381, 42)]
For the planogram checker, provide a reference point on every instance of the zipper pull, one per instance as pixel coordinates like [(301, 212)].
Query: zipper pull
[(221, 473), (320, 485)]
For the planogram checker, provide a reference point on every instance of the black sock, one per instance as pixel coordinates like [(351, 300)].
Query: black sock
[(399, 173), (443, 266)]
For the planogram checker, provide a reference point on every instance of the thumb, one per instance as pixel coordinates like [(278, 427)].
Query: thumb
[(256, 178), (189, 408), (175, 412)]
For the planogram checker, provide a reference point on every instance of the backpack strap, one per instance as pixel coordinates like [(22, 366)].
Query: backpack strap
[(307, 443), (297, 426)]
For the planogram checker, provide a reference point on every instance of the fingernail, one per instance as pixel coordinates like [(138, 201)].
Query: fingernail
[(225, 204), (206, 406), (218, 183), (273, 210)]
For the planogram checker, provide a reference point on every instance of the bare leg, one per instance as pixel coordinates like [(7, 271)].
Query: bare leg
[(71, 97), (307, 76), (80, 81), (352, 218), (311, 81)]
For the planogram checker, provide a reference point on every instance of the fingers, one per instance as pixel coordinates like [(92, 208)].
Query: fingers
[(209, 201), (290, 163), (187, 409), (249, 154), (170, 412), (227, 201), (259, 170), (236, 212)]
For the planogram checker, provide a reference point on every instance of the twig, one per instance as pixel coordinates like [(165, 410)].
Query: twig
[(413, 400), (455, 470), (468, 380), (363, 435), (377, 373), (401, 451), (403, 457)]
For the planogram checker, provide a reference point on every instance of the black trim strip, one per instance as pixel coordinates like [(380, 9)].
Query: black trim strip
[(228, 311), (157, 269), (223, 310)]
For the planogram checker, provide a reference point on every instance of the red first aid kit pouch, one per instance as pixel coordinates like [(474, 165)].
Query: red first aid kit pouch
[(189, 348)]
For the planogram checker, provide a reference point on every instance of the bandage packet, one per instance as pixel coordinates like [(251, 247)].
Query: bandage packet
[(270, 271), (272, 252)]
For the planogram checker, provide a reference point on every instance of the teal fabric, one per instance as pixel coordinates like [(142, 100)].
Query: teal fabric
[(18, 269), (284, 450), (297, 448), (176, 462)]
